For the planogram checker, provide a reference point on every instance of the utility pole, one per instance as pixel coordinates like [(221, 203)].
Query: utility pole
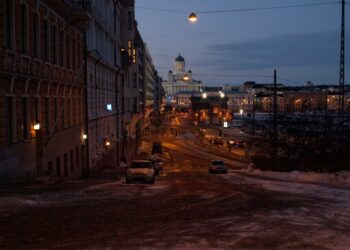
[(253, 120), (342, 71), (274, 117)]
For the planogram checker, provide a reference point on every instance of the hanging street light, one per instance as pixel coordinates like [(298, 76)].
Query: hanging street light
[(192, 17)]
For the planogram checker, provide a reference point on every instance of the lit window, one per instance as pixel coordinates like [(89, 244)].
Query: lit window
[(134, 56)]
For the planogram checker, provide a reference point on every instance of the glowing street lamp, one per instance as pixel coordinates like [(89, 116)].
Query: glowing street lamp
[(186, 78), (36, 126), (204, 95), (192, 17), (222, 94), (241, 111)]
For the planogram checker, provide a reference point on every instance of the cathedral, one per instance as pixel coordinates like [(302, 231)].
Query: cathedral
[(180, 81)]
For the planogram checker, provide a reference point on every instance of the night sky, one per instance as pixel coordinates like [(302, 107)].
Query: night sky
[(302, 43)]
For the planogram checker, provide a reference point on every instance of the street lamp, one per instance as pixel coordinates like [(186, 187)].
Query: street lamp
[(192, 17), (222, 94), (204, 95), (36, 126)]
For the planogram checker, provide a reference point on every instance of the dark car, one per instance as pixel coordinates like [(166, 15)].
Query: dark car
[(218, 141), (156, 166), (157, 148)]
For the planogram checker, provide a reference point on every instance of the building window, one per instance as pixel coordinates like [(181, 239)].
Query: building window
[(73, 55), (56, 114), (130, 20), (71, 160), (67, 112), (23, 28), (115, 56), (25, 117), (134, 56), (9, 23), (11, 125), (68, 55), (58, 166), (134, 105), (63, 113), (79, 59), (54, 45), (134, 80), (49, 168), (130, 48), (46, 40), (37, 109), (35, 35), (77, 157), (61, 48), (65, 165), (48, 115)]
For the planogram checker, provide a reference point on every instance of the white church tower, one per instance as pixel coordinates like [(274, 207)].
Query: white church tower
[(180, 81), (179, 65)]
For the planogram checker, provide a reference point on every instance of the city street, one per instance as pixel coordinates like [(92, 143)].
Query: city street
[(186, 208)]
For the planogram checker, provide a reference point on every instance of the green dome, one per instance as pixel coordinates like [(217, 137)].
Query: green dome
[(179, 59)]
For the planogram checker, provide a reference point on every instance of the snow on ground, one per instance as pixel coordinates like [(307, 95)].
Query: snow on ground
[(339, 179), (116, 189)]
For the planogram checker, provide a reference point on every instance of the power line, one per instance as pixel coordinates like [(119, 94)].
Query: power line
[(231, 75), (243, 9), (269, 8), (161, 10)]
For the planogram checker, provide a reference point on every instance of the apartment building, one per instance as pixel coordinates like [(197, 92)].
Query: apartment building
[(132, 88), (149, 88), (103, 39), (42, 96)]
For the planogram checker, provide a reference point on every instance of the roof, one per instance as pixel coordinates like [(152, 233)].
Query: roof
[(179, 59)]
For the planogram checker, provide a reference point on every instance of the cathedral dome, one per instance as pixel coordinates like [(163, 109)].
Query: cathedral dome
[(179, 59)]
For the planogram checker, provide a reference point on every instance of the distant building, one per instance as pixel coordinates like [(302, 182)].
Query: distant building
[(180, 81)]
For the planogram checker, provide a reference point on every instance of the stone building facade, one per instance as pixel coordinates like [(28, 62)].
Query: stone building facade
[(42, 84), (103, 39)]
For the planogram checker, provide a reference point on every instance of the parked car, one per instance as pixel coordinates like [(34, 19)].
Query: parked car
[(157, 148), (217, 166), (218, 141), (140, 170), (156, 163), (235, 143), (159, 163)]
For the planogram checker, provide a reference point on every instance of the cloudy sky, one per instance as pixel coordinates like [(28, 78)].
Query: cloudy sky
[(302, 43)]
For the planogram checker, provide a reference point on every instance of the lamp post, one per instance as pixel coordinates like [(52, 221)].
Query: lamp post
[(39, 148)]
